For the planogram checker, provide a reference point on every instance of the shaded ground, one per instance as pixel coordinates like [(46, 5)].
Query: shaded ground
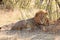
[(26, 35)]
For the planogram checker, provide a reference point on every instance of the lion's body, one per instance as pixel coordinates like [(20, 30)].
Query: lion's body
[(25, 24)]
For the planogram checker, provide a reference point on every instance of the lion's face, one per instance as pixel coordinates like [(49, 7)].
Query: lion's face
[(41, 17)]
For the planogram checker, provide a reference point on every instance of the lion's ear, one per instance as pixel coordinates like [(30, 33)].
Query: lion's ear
[(36, 14)]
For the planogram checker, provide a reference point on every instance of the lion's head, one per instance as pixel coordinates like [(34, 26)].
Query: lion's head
[(41, 17)]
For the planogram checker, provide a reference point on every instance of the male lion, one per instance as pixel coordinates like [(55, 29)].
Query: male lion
[(39, 19)]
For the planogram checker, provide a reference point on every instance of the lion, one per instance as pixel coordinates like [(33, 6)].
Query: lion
[(40, 18)]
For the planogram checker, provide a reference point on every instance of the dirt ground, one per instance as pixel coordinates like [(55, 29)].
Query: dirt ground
[(26, 35)]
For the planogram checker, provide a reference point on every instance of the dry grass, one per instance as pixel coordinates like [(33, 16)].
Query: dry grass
[(7, 17)]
